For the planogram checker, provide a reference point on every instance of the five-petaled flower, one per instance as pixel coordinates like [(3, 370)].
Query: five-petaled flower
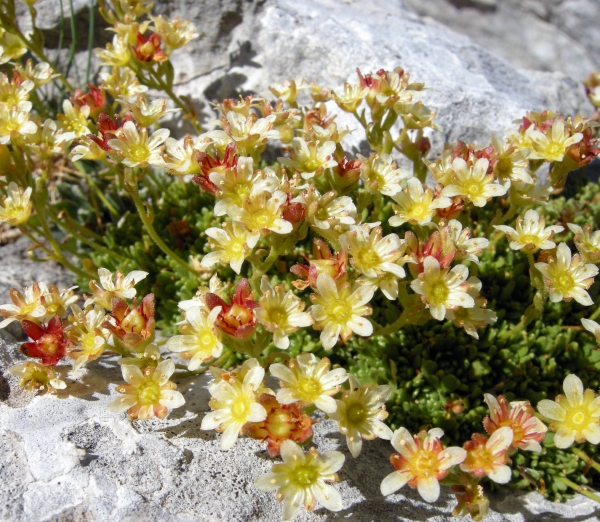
[(301, 479), (575, 415), (421, 462)]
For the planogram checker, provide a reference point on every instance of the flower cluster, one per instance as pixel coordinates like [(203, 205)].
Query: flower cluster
[(308, 250)]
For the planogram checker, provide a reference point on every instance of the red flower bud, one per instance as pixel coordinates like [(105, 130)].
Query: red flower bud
[(49, 342), (134, 327), (236, 319)]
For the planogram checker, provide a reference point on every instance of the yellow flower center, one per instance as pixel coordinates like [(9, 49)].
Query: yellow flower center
[(563, 281), (311, 164), (368, 258), (530, 239), (304, 476), (480, 458), (240, 409), (356, 413), (473, 189), (260, 219), (279, 424), (278, 315), (88, 343), (340, 312), (424, 464), (504, 167), (420, 211), (578, 417), (308, 389), (554, 150), (139, 153), (148, 393), (438, 293)]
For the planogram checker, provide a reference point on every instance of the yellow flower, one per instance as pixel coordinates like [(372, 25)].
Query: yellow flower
[(421, 463), (587, 242), (34, 376), (338, 311), (488, 457), (116, 54), (262, 212), (86, 330), (15, 121), (325, 211), (287, 91), (415, 205), (11, 47), (360, 412), (12, 93), (309, 158), (16, 208), (236, 184), (530, 233), (27, 305), (308, 381), (148, 392), (50, 141), (552, 144), (511, 164), (301, 478), (119, 285), (122, 82), (250, 133), (180, 156), (235, 403), (442, 290), (281, 313), (473, 183), (174, 33), (199, 341), (371, 254), (40, 74), (351, 98), (137, 149), (75, 120), (230, 245), (575, 415), (476, 317), (467, 248), (381, 175), (568, 278)]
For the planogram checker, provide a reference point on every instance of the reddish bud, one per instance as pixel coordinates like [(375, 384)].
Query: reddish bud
[(49, 342), (236, 319)]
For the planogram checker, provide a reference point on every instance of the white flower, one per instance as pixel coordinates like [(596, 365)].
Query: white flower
[(281, 313), (301, 479), (310, 158), (473, 183), (16, 208), (380, 174), (416, 205), (308, 381), (568, 278), (360, 412), (467, 248), (137, 149), (230, 244), (530, 233), (339, 312), (234, 404), (442, 289), (199, 341)]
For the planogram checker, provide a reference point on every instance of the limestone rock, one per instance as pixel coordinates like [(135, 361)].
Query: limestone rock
[(545, 35), (66, 458)]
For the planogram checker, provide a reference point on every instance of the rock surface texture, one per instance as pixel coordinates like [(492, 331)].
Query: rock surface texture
[(67, 458), (545, 35)]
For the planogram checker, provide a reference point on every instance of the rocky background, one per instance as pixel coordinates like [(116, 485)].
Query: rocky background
[(67, 458)]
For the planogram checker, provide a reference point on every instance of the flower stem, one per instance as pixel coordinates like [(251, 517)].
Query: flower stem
[(139, 205), (578, 488), (391, 328), (588, 460), (260, 270)]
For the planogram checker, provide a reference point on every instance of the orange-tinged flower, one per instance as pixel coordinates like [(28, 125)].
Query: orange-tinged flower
[(528, 430), (148, 48), (421, 463), (238, 318), (324, 261), (49, 343), (148, 392), (488, 457), (283, 422), (134, 327)]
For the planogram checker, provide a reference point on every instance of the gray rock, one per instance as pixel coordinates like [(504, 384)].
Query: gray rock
[(545, 35), (67, 458)]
